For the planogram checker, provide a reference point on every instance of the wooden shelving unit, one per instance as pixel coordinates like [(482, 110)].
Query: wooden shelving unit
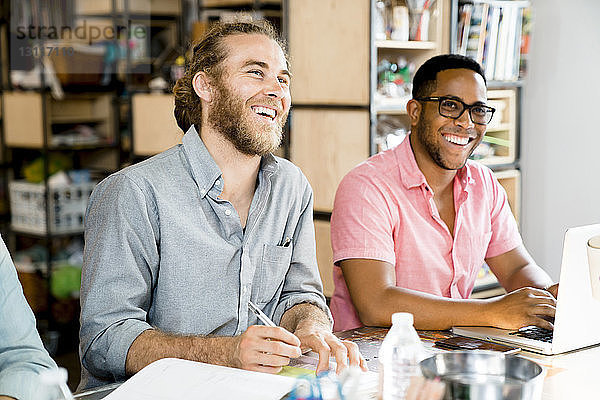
[(406, 45), (238, 3), (330, 91), (391, 107), (105, 7), (510, 179), (24, 121), (500, 142), (154, 126)]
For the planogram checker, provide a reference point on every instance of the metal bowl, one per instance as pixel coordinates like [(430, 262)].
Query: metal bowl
[(485, 375)]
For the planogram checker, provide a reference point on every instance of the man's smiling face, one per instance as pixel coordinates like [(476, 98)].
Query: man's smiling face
[(252, 95), (449, 142)]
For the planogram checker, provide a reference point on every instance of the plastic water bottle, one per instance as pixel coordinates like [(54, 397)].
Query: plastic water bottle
[(399, 357)]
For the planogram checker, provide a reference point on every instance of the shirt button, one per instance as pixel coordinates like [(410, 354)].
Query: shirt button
[(218, 182), (228, 212)]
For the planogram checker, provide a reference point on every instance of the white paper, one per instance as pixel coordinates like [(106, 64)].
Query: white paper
[(172, 378)]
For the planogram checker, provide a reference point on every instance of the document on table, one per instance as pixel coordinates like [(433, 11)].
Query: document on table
[(172, 378)]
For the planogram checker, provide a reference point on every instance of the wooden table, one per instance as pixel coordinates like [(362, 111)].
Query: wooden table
[(570, 376)]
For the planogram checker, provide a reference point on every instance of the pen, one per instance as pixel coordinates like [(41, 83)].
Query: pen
[(261, 315)]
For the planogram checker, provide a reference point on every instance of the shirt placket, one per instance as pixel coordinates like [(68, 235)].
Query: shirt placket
[(460, 196), (435, 214), (225, 211), (247, 268), (454, 292), (232, 226)]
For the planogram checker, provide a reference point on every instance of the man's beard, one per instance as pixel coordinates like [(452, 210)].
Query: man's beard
[(425, 135), (229, 116)]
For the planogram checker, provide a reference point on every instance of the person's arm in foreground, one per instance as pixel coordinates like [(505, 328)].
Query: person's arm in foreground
[(372, 285), (22, 355), (260, 348)]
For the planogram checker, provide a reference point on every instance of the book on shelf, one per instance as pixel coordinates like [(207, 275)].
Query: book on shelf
[(525, 38), (464, 25), (482, 32), (489, 58), (514, 73), (476, 31), (503, 31)]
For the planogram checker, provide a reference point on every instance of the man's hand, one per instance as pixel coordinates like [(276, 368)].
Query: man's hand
[(265, 349), (523, 307), (320, 339)]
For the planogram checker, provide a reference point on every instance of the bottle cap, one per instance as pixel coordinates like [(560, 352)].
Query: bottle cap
[(402, 318)]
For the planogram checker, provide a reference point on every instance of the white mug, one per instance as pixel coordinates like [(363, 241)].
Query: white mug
[(593, 250)]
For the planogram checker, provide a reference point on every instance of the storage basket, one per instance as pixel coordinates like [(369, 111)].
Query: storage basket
[(67, 207)]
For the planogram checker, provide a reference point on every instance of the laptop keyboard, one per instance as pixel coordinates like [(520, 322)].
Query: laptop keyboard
[(535, 333)]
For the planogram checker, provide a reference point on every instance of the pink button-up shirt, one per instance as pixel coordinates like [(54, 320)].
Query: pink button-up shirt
[(384, 210)]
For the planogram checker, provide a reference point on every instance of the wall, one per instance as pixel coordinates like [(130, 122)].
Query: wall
[(560, 144)]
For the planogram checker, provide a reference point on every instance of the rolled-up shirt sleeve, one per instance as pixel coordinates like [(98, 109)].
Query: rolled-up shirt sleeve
[(119, 271), (22, 355), (302, 282)]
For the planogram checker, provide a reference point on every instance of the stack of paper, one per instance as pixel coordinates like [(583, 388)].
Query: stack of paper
[(172, 378)]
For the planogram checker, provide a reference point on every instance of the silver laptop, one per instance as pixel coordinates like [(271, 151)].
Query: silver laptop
[(577, 319)]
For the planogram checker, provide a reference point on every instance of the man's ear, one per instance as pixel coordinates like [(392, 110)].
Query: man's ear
[(413, 108), (202, 87)]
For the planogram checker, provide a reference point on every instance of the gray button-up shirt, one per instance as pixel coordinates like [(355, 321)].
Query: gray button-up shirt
[(163, 250)]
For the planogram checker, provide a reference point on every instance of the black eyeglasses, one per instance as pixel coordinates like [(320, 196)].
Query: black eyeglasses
[(451, 107)]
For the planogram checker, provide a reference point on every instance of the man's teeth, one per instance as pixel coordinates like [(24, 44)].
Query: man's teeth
[(268, 112), (457, 139)]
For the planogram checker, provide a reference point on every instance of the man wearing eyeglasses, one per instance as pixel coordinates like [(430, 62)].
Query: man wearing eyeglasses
[(412, 226)]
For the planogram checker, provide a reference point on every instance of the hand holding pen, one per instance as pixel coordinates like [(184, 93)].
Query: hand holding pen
[(265, 348)]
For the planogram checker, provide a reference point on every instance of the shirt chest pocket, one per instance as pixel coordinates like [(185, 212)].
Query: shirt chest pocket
[(271, 272)]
